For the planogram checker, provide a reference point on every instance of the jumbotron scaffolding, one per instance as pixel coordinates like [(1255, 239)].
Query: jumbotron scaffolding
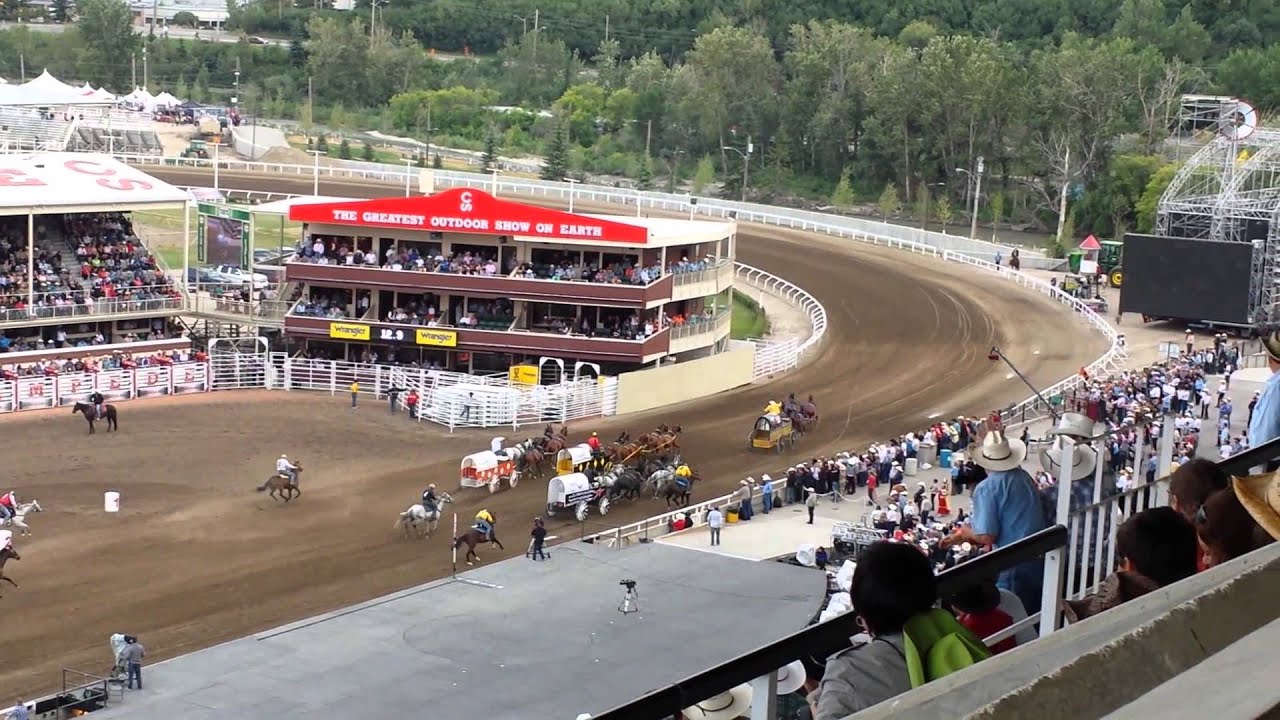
[(1229, 190)]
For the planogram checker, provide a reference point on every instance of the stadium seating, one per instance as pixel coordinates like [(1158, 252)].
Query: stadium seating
[(30, 129)]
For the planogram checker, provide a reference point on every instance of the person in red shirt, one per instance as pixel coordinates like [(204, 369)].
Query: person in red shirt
[(594, 442), (978, 609)]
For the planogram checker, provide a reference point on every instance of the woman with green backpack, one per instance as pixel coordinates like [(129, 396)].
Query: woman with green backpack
[(907, 641)]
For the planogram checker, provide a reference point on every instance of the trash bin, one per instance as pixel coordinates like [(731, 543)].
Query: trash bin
[(913, 465), (1073, 260), (731, 515), (944, 459), (928, 453)]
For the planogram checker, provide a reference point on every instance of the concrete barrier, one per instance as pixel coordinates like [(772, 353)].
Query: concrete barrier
[(669, 385)]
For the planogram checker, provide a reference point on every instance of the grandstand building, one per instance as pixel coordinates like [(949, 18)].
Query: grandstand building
[(467, 281), (48, 115), (75, 278)]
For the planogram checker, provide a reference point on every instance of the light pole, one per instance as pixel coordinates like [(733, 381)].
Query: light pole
[(408, 173), (216, 164), (746, 163), (573, 190), (315, 171), (493, 187), (924, 223), (977, 194)]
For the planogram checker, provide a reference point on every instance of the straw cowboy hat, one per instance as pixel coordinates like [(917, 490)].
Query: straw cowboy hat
[(791, 677), (1083, 460), (999, 453), (1260, 495), (1271, 344), (724, 706), (1077, 425)]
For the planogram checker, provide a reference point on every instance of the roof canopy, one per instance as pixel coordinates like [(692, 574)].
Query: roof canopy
[(28, 96), (50, 183), (48, 83), (463, 210), (1091, 243)]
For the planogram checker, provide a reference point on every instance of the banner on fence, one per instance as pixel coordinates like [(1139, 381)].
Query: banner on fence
[(116, 385), (7, 395), (152, 381), (190, 378), (75, 387), (36, 392)]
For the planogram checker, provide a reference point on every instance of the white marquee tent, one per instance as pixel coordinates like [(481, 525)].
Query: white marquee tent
[(49, 83), (46, 91), (166, 100)]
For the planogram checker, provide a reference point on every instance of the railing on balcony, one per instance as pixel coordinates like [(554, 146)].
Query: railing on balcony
[(707, 274), (759, 667), (254, 310), (701, 324), (105, 306)]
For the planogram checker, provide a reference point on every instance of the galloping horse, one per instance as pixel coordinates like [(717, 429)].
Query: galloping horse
[(6, 555), (677, 490), (553, 441), (800, 423), (623, 482), (473, 537), (91, 414), (278, 483), (810, 410), (417, 517), (19, 516), (528, 458)]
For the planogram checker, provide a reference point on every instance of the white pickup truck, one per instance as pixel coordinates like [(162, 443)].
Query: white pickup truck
[(235, 275)]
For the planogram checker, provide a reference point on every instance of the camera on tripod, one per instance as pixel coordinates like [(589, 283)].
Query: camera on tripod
[(628, 584)]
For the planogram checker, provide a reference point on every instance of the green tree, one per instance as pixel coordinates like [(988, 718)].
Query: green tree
[(888, 201), (297, 52), (106, 31), (60, 10), (322, 143), (367, 154), (344, 150), (842, 198), (922, 204), (185, 19), (489, 161), (1145, 208), (943, 210), (997, 213), (703, 175), (437, 163), (556, 163), (644, 178)]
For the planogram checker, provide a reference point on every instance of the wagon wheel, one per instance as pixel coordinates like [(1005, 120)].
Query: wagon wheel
[(751, 441), (551, 510), (513, 479), (580, 511), (603, 505), (777, 446), (493, 485)]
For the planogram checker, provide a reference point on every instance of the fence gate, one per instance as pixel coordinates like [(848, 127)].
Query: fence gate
[(237, 363), (550, 371)]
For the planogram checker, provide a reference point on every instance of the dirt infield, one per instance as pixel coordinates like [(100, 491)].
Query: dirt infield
[(197, 557)]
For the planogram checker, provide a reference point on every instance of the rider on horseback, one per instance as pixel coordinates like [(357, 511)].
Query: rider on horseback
[(429, 500), (99, 404), (683, 473), (287, 469), (484, 523), (8, 507), (791, 406)]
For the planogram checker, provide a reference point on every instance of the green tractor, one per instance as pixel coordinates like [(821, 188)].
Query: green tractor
[(197, 149), (1110, 262)]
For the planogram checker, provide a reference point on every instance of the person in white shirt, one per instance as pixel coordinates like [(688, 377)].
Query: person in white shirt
[(715, 520), (288, 469)]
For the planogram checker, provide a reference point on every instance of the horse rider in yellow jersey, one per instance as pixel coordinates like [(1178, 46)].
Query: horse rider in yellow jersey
[(484, 523), (683, 473)]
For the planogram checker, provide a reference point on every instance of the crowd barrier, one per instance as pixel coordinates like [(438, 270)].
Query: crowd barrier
[(50, 391)]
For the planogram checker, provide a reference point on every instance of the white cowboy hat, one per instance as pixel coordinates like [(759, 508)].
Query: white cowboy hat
[(1083, 460), (1077, 425), (765, 478), (999, 453), (283, 456), (1260, 495), (724, 706), (791, 677)]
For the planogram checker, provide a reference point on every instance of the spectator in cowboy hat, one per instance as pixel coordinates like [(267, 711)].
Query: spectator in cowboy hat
[(1265, 423), (1006, 509), (1226, 528), (1260, 496), (728, 705)]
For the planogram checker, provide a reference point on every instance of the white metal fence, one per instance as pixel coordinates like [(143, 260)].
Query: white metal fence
[(860, 229)]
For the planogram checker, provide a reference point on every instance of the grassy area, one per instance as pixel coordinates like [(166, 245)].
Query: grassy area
[(163, 232), (748, 319), (391, 157)]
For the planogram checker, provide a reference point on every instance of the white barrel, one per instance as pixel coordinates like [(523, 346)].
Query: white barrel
[(913, 465), (111, 501)]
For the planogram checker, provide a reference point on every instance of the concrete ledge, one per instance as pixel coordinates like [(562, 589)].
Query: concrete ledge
[(1095, 667)]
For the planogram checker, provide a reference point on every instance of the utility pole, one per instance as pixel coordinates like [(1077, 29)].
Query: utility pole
[(648, 137), (536, 26), (133, 69), (144, 67), (606, 28), (977, 196), (22, 66), (154, 11), (1062, 203), (746, 167)]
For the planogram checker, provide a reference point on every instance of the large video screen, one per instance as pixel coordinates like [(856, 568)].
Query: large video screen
[(1186, 279), (224, 240)]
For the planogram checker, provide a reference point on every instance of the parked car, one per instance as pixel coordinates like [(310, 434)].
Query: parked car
[(236, 275), (263, 256), (201, 276)]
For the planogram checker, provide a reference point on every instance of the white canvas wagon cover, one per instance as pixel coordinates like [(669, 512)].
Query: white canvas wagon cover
[(479, 462), (572, 457), (569, 489)]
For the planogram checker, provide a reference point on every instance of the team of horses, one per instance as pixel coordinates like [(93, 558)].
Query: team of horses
[(18, 521)]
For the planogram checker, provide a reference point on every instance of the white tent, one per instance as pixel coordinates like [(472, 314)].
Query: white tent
[(140, 98), (166, 100), (103, 95), (22, 95), (50, 84)]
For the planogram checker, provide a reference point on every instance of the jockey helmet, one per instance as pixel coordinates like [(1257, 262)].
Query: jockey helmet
[(432, 486)]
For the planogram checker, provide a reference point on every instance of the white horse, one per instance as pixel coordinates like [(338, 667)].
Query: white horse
[(418, 519), (19, 519), (660, 479)]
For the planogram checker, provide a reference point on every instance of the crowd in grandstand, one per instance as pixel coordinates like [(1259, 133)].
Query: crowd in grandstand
[(117, 360), (113, 260)]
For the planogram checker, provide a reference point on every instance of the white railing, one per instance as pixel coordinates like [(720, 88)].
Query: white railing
[(791, 293), (452, 399), (105, 306), (707, 274), (773, 357), (701, 324), (51, 391), (871, 231)]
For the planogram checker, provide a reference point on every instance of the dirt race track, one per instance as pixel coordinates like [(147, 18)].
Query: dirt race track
[(197, 557)]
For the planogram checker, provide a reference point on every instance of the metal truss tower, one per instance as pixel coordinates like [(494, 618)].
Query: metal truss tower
[(1229, 190)]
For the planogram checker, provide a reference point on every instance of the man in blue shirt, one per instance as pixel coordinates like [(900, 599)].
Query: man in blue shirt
[(1265, 423), (1006, 509)]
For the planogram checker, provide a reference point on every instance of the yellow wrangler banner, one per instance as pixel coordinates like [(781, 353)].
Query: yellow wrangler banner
[(523, 374), (438, 338), (348, 331)]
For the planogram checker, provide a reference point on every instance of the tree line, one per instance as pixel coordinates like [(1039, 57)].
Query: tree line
[(895, 111)]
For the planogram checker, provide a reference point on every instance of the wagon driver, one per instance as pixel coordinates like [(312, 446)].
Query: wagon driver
[(773, 411), (287, 469), (594, 443), (484, 523), (429, 498), (99, 403)]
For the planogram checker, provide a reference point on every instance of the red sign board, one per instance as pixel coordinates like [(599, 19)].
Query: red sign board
[(463, 210)]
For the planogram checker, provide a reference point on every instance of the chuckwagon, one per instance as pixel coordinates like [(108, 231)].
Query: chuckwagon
[(576, 491), (488, 468), (580, 458), (767, 436)]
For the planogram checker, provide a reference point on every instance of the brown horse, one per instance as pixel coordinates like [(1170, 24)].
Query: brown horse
[(801, 424), (6, 555), (810, 410), (278, 483), (529, 458), (473, 537), (553, 441), (91, 414)]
